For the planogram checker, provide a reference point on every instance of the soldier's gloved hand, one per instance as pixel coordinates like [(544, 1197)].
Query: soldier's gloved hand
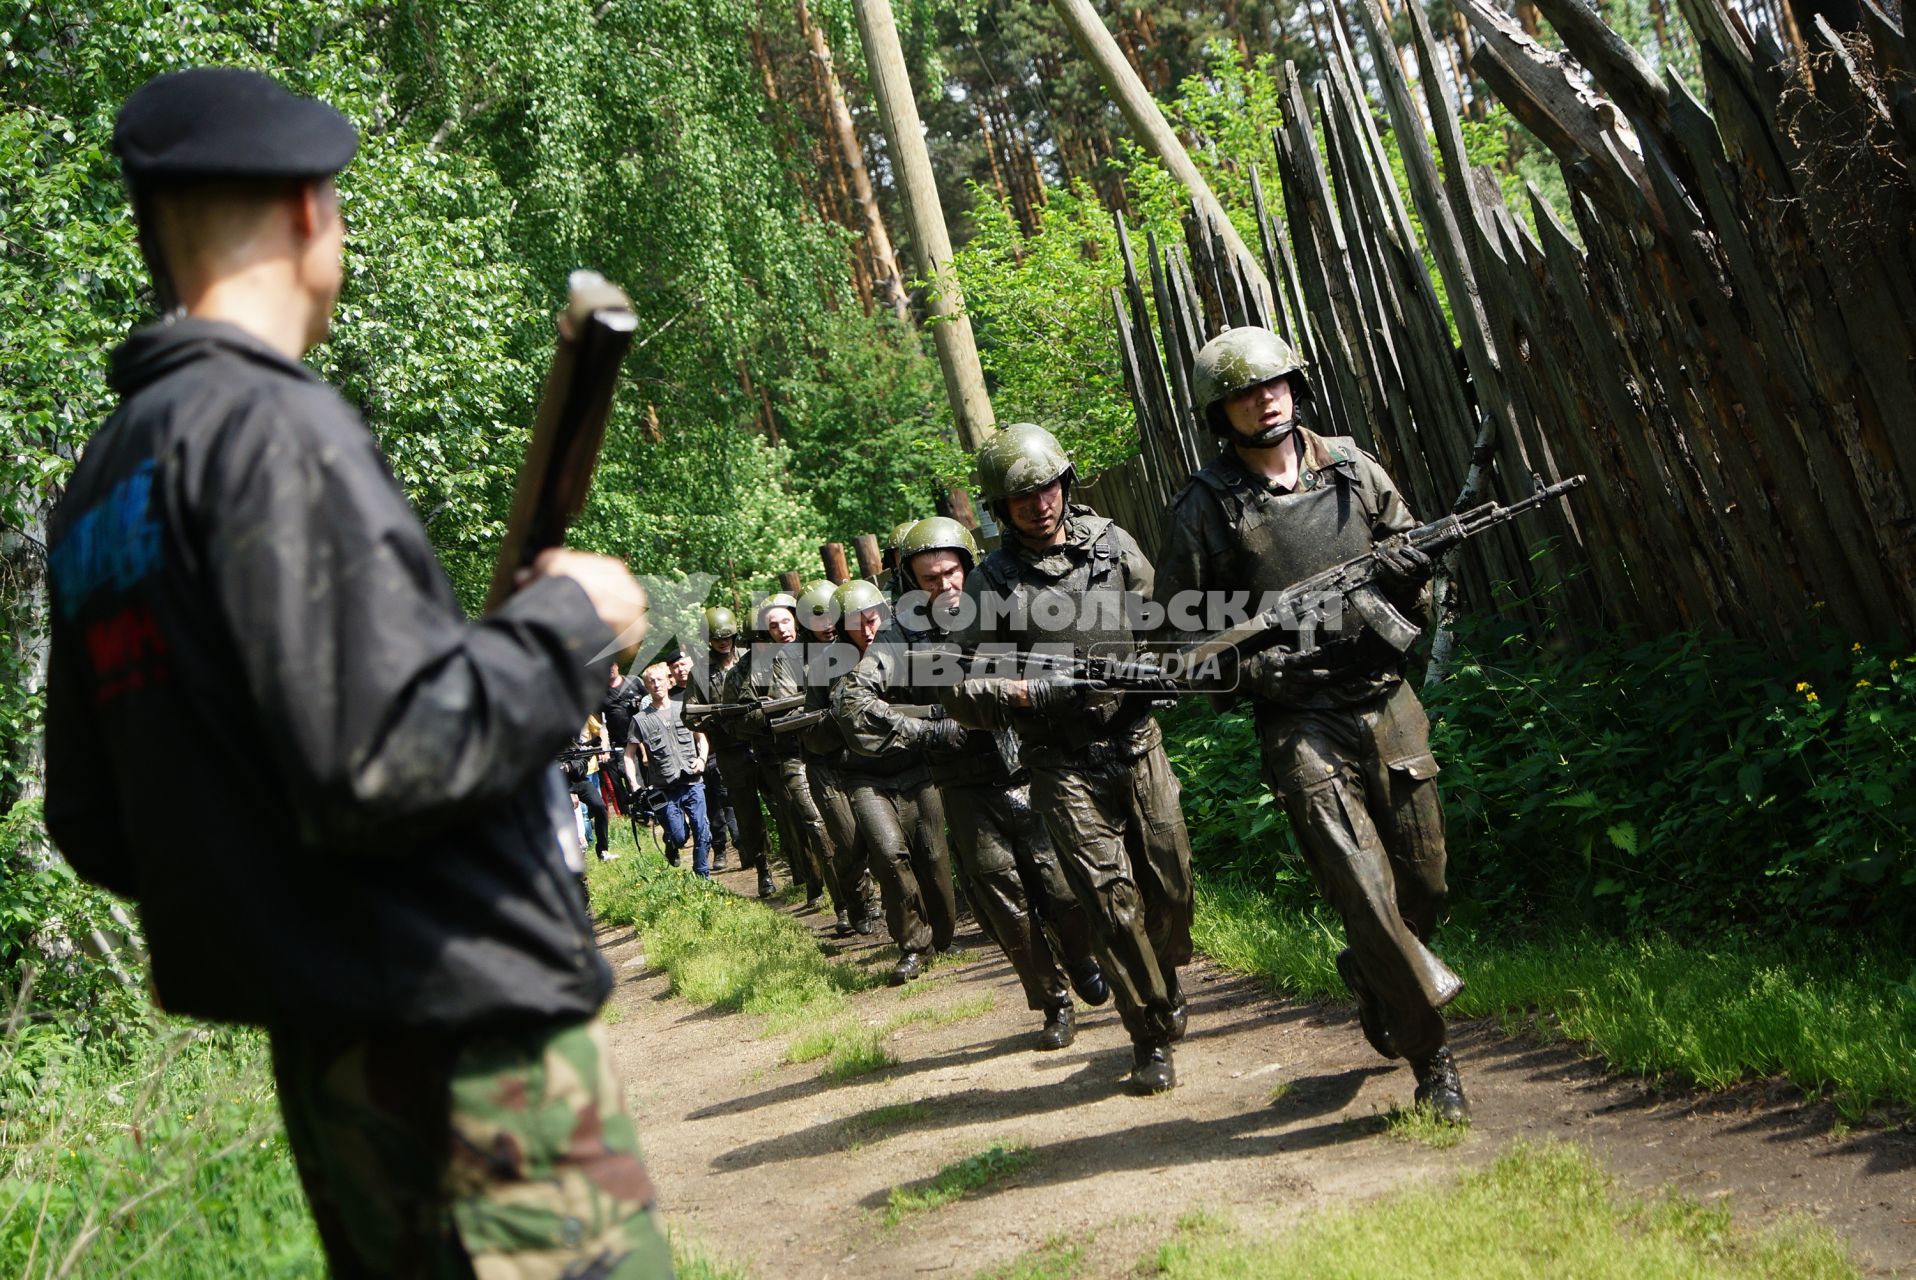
[(1049, 697), (945, 735), (1404, 567), (1262, 675)]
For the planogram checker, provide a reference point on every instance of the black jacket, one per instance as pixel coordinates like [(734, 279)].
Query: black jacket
[(270, 724)]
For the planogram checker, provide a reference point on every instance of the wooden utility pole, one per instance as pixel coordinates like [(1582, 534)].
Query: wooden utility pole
[(833, 554), (930, 243), (1147, 122)]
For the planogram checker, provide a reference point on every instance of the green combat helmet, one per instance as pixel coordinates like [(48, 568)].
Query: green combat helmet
[(936, 533), (720, 624), (780, 600), (1022, 458), (857, 596), (1244, 357), (816, 612), (890, 557)]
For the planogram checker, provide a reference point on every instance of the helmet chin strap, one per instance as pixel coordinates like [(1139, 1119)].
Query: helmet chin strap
[(1267, 437)]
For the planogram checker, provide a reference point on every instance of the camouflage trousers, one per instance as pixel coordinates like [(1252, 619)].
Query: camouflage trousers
[(501, 1156)]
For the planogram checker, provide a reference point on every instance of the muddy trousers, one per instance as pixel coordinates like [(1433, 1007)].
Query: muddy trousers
[(1121, 840), (801, 830), (740, 773), (901, 821), (1359, 785), (1016, 884), (499, 1154), (851, 877)]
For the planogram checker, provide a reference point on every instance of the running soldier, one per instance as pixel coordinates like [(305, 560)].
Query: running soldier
[(1012, 871), (1346, 748), (1099, 777)]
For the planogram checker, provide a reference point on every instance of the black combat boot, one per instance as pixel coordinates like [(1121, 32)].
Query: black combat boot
[(1087, 979), (1368, 1016), (1440, 1089), (766, 885), (1151, 1070), (1059, 1029), (909, 966), (842, 927), (718, 861), (1180, 1014)]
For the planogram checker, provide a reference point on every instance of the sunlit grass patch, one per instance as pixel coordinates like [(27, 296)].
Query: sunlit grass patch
[(1546, 1210), (1420, 1127), (957, 1180), (720, 949), (976, 1007), (880, 1122), (1708, 1011), (1058, 1258), (859, 1055), (691, 1261)]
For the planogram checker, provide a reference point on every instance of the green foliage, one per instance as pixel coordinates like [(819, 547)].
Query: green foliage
[(1039, 306), (46, 914), (1545, 1209), (165, 1160), (1684, 782)]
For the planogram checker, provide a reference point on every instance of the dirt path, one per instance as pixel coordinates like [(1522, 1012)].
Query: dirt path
[(1278, 1110)]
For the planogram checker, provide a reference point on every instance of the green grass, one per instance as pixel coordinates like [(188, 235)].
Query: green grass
[(691, 1262), (956, 1180), (1712, 1012), (1417, 1126), (172, 1162), (879, 1122), (1059, 1258), (965, 1010), (1537, 1211), (859, 1056), (720, 949)]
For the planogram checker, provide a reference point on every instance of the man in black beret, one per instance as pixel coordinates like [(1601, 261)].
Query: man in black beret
[(235, 571)]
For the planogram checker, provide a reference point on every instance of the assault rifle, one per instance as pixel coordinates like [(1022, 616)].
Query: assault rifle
[(595, 330), (800, 721), (703, 711), (1298, 615)]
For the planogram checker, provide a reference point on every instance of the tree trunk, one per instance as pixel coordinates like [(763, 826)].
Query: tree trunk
[(931, 241), (1148, 124), (889, 282)]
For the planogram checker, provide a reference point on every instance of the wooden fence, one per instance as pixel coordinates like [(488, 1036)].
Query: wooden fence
[(1726, 344)]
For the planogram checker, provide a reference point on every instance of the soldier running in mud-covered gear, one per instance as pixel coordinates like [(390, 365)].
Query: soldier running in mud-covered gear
[(737, 770), (1001, 845), (1345, 745), (236, 574), (901, 815), (825, 756), (1099, 777), (774, 667)]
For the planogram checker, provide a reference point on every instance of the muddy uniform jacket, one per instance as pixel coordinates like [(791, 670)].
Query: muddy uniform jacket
[(348, 819), (1073, 600), (1230, 531), (884, 676)]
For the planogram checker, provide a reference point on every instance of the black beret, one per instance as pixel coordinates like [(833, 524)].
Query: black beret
[(223, 122)]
